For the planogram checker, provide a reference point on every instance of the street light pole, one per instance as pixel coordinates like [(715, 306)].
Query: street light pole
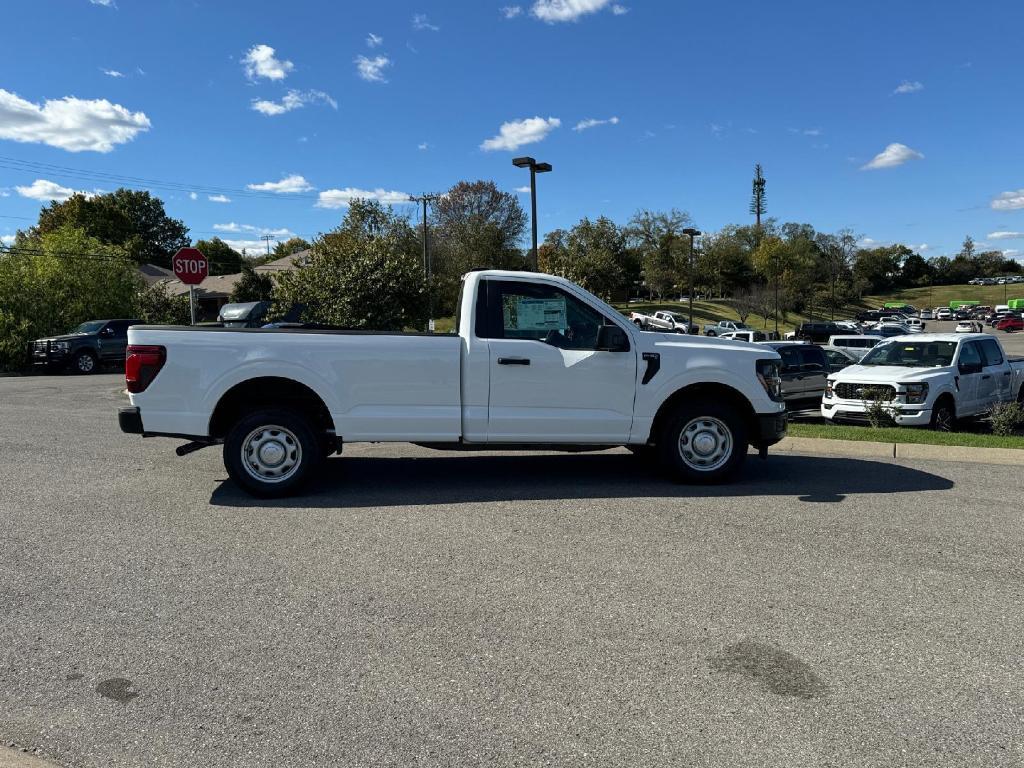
[(535, 168), (427, 265), (692, 233)]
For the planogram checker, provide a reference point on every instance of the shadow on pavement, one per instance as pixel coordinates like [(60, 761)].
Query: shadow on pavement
[(453, 479)]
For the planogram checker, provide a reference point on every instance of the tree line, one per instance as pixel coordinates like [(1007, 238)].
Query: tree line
[(78, 263)]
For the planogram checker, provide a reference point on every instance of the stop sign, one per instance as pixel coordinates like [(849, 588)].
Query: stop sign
[(190, 266)]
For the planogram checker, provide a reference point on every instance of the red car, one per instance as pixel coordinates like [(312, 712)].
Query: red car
[(1010, 324)]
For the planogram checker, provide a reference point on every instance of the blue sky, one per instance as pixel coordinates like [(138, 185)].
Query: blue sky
[(288, 109)]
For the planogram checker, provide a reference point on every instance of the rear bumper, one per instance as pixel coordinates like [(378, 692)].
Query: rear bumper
[(771, 429), (130, 420)]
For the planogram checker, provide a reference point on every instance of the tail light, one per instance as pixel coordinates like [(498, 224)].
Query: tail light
[(142, 365)]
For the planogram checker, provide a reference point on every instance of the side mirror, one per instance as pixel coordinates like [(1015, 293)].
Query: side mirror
[(966, 368), (611, 338), (107, 332)]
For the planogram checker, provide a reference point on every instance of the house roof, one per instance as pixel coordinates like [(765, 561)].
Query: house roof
[(151, 273), (215, 286), (284, 264)]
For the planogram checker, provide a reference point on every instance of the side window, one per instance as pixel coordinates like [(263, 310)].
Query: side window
[(120, 328), (812, 359), (993, 355), (544, 313), (790, 359), (970, 355)]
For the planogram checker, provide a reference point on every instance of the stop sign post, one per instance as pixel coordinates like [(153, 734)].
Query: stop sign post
[(191, 267)]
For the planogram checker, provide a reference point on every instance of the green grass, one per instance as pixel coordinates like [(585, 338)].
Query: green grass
[(705, 312), (941, 295), (904, 435)]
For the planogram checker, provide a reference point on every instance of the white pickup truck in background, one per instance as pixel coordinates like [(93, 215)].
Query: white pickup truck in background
[(535, 361), (928, 379), (662, 320)]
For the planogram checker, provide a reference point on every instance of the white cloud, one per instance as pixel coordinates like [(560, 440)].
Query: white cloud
[(193, 196), (373, 40), (421, 22), (1009, 201), (920, 248), (511, 11), (7, 239), (1003, 235), (260, 61), (112, 73), (292, 100), (1011, 253), (229, 227), (516, 133), (909, 87), (73, 124), (104, 3), (218, 198), (233, 228), (523, 190), (620, 10), (286, 186), (423, 146), (340, 198), (806, 131), (553, 11), (260, 246), (372, 70), (4, 193), (590, 122), (44, 190), (893, 155)]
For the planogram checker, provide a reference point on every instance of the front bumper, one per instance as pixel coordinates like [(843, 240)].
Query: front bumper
[(771, 428), (854, 412), (130, 420)]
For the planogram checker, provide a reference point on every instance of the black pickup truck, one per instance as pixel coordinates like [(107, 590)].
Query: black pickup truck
[(86, 348)]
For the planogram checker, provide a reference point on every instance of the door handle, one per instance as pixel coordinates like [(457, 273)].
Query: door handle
[(513, 361), (1006, 373), (986, 376)]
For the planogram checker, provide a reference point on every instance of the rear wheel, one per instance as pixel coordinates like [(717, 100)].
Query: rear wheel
[(272, 452), (703, 442)]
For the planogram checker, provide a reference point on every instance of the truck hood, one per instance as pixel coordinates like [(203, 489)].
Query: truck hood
[(887, 374), (669, 342), (66, 337)]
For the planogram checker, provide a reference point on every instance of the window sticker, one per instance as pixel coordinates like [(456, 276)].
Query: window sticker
[(536, 314)]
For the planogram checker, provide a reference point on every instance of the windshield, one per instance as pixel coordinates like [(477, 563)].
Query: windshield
[(90, 327), (912, 354)]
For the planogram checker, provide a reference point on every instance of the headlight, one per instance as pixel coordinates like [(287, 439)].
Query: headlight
[(916, 393), (828, 388), (60, 346), (768, 373)]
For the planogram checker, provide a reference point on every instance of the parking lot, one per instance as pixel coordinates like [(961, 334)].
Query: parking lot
[(421, 608)]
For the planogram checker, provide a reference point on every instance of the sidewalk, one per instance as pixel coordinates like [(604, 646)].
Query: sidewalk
[(871, 450)]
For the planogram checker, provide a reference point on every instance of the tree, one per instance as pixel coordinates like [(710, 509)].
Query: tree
[(290, 246), (838, 252), (52, 282), (660, 247), (155, 306), (252, 286), (474, 225), (224, 260), (592, 254), (757, 199), (132, 219), (967, 249), (365, 275), (771, 259)]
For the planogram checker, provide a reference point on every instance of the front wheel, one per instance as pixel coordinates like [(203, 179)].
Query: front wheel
[(84, 363), (943, 417), (703, 442), (272, 452)]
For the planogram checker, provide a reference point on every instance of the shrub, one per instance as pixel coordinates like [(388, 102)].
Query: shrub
[(879, 412), (1006, 418)]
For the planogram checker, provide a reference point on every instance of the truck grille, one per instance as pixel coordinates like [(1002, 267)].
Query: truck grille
[(39, 346), (848, 391)]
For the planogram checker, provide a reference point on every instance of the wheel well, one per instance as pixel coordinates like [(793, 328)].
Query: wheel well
[(945, 397), (269, 392), (717, 392)]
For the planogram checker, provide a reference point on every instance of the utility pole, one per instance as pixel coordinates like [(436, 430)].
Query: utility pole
[(267, 238), (428, 267), (692, 233)]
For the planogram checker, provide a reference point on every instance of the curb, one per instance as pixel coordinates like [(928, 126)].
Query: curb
[(15, 758), (919, 451)]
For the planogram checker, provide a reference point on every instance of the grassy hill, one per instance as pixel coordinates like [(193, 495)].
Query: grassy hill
[(941, 295)]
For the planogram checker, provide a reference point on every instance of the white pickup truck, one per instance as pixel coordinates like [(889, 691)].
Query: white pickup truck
[(927, 379), (662, 320), (536, 361)]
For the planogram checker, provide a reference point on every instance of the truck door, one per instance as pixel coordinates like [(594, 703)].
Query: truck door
[(970, 367), (997, 378), (548, 381)]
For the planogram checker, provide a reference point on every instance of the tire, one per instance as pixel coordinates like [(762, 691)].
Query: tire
[(943, 416), (703, 442), (84, 363), (272, 452)]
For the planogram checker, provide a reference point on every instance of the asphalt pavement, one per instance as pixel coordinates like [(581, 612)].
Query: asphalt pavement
[(419, 608)]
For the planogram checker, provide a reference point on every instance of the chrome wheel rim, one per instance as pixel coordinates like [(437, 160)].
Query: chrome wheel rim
[(86, 363), (705, 444), (943, 420), (271, 454)]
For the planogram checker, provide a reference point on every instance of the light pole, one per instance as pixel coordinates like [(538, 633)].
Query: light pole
[(535, 168), (427, 265), (692, 233)]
